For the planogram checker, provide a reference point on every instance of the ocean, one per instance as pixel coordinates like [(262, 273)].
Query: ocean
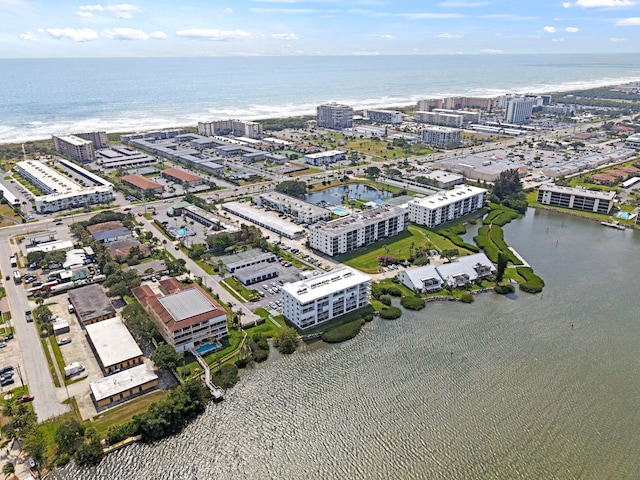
[(41, 97)]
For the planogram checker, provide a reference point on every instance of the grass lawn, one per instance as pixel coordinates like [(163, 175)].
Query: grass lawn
[(7, 211), (387, 282), (366, 258), (268, 329), (52, 369), (125, 412), (240, 288), (206, 266)]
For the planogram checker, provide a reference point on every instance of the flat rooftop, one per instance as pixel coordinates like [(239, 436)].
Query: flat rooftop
[(186, 304), (581, 192), (447, 197), (91, 302), (122, 381), (112, 341), (269, 220), (319, 286), (292, 202), (328, 153), (359, 220)]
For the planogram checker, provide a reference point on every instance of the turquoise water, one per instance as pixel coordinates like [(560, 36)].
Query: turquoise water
[(624, 215), (45, 96), (182, 231), (339, 211)]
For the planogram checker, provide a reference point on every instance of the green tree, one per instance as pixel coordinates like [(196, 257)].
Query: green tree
[(450, 253), (8, 468), (372, 172), (165, 356), (35, 444), (285, 340), (502, 265), (507, 185), (292, 187), (69, 435), (43, 314), (89, 453)]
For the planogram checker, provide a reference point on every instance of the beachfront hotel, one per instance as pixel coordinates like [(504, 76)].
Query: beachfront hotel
[(319, 299), (357, 230), (237, 128), (75, 148), (62, 192), (334, 116), (519, 110), (384, 116), (576, 198), (447, 205)]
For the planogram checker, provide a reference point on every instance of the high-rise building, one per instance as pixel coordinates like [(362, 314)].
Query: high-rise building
[(384, 116), (335, 116), (76, 148), (519, 110), (438, 136)]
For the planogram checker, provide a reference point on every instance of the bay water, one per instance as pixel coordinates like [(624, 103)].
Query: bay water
[(538, 387), (41, 97)]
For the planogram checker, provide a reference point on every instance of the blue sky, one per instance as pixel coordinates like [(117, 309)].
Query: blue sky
[(64, 28)]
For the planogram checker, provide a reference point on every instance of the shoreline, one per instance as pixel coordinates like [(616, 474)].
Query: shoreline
[(571, 87)]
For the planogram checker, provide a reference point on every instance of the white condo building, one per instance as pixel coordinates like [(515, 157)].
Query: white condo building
[(446, 205), (384, 116), (346, 234), (442, 136), (443, 119), (74, 147), (237, 128), (60, 191), (519, 110), (335, 116), (309, 302)]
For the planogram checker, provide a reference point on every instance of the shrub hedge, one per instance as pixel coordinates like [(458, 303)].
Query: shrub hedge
[(343, 332), (385, 299), (533, 283), (466, 298), (457, 240), (377, 290), (412, 303), (504, 289), (390, 313)]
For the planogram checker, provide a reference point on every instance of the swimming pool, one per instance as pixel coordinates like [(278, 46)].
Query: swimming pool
[(208, 347), (182, 231), (339, 211), (624, 215)]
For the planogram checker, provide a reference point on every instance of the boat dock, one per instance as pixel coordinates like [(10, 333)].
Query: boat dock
[(217, 393), (614, 224), (519, 257)]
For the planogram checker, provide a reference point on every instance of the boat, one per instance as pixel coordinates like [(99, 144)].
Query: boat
[(613, 224)]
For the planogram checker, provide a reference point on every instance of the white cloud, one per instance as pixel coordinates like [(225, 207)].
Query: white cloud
[(605, 3), (83, 14), (159, 35), (571, 29), (285, 36), (77, 35), (27, 36), (617, 39), (125, 34), (122, 10), (213, 34), (448, 35), (550, 29), (387, 36), (633, 21), (461, 4), (228, 10), (559, 39), (296, 11), (365, 54), (566, 5), (492, 51)]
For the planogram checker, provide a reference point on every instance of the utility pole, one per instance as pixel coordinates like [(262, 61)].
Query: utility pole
[(19, 374)]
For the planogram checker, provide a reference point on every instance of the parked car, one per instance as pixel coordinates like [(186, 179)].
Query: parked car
[(8, 368), (7, 381), (64, 341), (26, 398), (3, 344)]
